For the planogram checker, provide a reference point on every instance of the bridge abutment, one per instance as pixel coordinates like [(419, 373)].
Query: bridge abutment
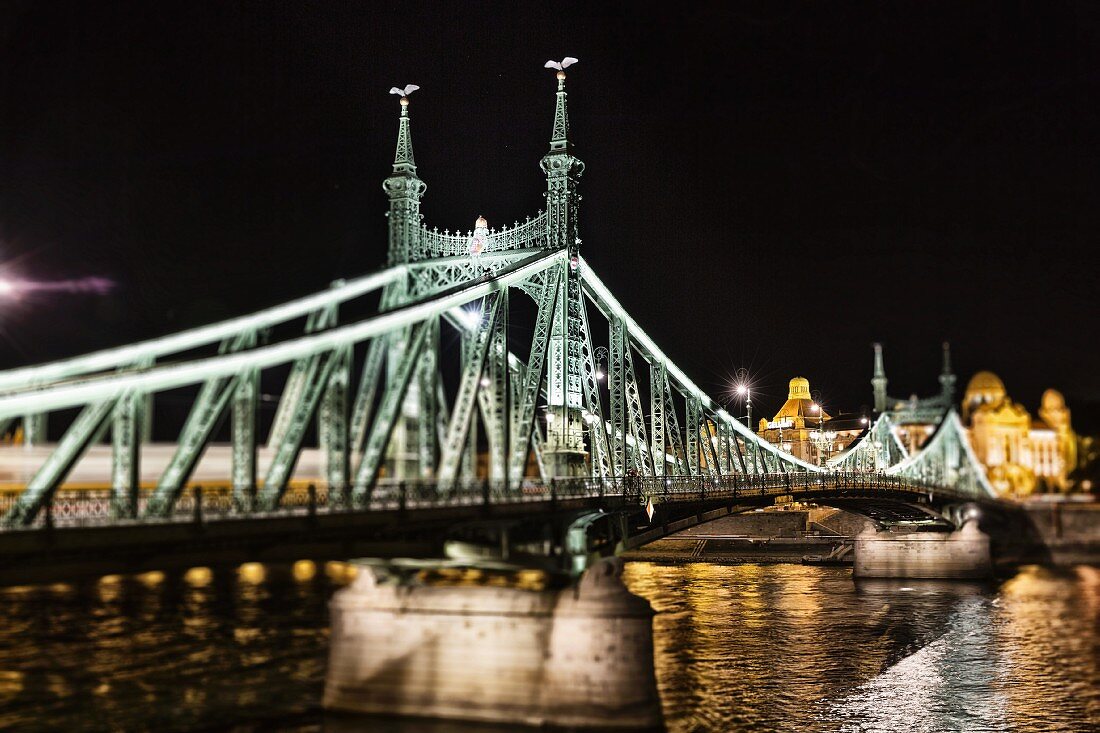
[(963, 553), (580, 656)]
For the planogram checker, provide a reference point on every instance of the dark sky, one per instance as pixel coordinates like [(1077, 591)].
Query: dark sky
[(772, 185)]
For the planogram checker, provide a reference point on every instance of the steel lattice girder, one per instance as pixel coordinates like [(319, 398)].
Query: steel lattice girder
[(316, 379), (601, 466), (296, 382), (148, 351), (382, 428), (637, 417), (473, 367), (164, 377), (611, 308), (533, 377)]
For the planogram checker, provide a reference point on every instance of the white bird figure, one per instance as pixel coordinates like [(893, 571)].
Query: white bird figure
[(409, 89), (560, 65)]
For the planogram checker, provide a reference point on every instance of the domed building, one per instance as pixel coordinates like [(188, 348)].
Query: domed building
[(803, 429), (1021, 454)]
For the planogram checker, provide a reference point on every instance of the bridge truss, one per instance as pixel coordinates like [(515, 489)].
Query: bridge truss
[(400, 395)]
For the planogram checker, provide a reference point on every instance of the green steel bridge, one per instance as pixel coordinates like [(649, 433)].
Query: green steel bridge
[(573, 406)]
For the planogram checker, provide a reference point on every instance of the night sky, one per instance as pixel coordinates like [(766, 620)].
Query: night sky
[(773, 185)]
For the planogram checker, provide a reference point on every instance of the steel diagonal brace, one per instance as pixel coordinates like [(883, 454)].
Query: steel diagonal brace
[(677, 439), (637, 418), (525, 413), (201, 423), (463, 411), (200, 426), (332, 423), (384, 421), (711, 454), (296, 382), (316, 379), (598, 432), (60, 462), (495, 398), (368, 387)]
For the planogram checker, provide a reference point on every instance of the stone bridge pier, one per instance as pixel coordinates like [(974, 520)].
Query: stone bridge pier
[(574, 656), (895, 553)]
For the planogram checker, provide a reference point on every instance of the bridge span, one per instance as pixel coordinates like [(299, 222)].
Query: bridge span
[(391, 387)]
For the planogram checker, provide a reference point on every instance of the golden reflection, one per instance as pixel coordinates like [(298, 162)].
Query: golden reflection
[(11, 683), (62, 589), (151, 579), (109, 588), (252, 572), (304, 570), (340, 572), (199, 576), (59, 686)]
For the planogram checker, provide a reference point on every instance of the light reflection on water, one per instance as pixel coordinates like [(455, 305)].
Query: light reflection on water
[(738, 648)]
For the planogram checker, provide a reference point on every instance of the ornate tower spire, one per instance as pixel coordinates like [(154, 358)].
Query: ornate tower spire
[(562, 170), (564, 447), (404, 188), (947, 378), (878, 381), (403, 161)]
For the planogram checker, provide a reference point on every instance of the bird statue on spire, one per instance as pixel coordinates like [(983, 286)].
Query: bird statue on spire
[(560, 65), (404, 93)]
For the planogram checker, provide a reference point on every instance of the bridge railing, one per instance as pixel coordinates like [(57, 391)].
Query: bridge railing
[(73, 508)]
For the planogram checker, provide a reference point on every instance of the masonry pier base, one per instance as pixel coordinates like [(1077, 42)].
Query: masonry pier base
[(579, 656), (963, 553)]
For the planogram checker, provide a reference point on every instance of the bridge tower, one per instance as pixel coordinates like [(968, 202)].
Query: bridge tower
[(564, 452), (878, 380), (406, 457), (947, 378)]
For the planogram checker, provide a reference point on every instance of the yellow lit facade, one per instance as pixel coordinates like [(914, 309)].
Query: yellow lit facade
[(803, 429), (1021, 454)]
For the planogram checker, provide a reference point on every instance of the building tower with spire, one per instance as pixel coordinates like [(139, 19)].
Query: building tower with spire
[(878, 380), (947, 378)]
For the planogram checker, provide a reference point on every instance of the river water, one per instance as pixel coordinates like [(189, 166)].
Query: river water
[(738, 648)]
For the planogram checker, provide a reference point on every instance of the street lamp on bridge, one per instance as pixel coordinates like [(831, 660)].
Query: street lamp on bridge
[(744, 390)]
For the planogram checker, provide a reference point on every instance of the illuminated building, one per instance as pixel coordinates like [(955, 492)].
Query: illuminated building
[(1021, 454), (803, 429)]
